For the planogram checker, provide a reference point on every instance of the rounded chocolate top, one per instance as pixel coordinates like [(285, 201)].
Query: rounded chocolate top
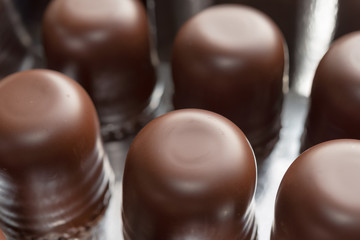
[(51, 156), (105, 46), (335, 102), (44, 115), (189, 174), (89, 28), (319, 195), (287, 15), (230, 59)]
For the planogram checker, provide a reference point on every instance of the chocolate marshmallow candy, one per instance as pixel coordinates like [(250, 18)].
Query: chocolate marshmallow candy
[(230, 59), (189, 174), (319, 196), (335, 100), (105, 46), (52, 173)]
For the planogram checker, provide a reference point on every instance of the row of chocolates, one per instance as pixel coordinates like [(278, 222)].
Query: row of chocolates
[(189, 174), (191, 166)]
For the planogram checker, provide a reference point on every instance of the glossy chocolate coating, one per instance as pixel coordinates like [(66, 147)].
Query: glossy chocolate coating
[(335, 101), (171, 15), (189, 174), (230, 59), (319, 195), (348, 17), (11, 49), (51, 156), (105, 46), (288, 15)]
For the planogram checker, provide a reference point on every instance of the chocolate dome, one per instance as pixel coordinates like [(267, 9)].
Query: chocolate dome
[(319, 195), (335, 100), (189, 174), (51, 157), (230, 59), (105, 46)]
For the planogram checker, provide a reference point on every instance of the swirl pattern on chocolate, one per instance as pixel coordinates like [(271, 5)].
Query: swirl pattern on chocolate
[(189, 174)]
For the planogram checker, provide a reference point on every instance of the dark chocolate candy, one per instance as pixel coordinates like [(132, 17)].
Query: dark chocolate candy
[(189, 174), (288, 15), (230, 59), (171, 15), (51, 157), (319, 196), (105, 46), (335, 100)]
